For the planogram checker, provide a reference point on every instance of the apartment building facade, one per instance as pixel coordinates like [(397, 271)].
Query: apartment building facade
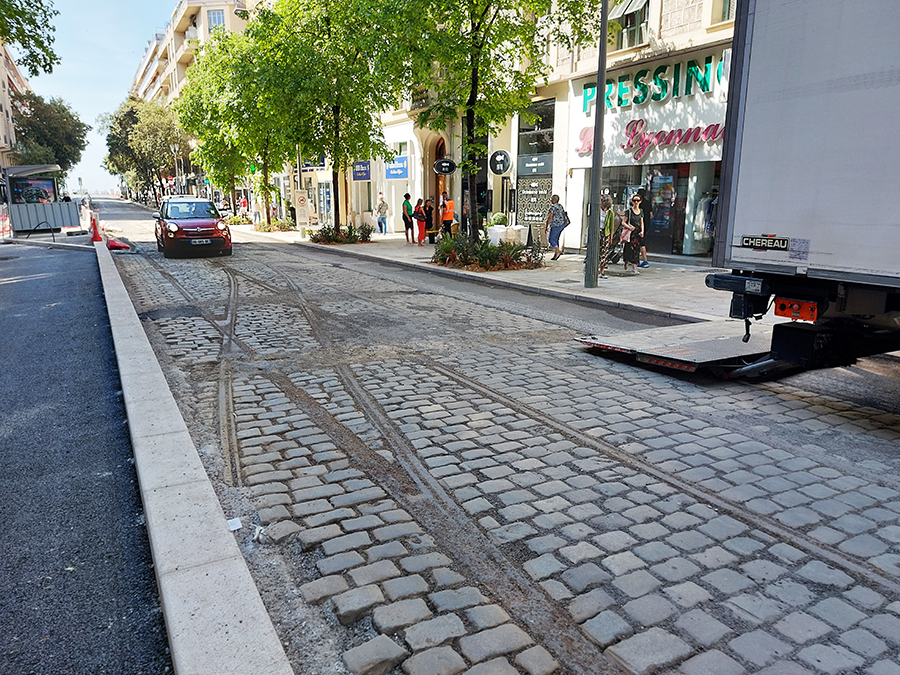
[(665, 96), (161, 74), (11, 81)]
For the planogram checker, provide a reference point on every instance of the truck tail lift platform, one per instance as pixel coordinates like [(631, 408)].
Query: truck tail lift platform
[(717, 346)]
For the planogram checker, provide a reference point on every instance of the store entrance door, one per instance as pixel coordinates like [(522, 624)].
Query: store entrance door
[(664, 233)]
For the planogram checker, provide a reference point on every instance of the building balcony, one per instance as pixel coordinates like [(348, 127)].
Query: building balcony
[(184, 12)]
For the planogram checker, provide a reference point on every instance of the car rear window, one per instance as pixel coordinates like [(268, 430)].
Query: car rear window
[(184, 210)]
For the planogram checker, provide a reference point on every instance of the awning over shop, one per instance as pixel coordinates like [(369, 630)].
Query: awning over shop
[(626, 7)]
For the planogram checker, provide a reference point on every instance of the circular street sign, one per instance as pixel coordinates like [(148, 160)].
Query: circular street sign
[(444, 167), (500, 162), (301, 200)]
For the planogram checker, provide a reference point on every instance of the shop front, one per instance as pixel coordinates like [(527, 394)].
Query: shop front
[(663, 129)]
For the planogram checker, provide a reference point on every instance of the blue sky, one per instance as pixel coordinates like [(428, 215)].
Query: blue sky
[(100, 44)]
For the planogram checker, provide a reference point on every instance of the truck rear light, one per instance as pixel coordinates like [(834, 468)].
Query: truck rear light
[(796, 310)]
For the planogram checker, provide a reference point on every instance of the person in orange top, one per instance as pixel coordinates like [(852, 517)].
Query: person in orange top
[(447, 210)]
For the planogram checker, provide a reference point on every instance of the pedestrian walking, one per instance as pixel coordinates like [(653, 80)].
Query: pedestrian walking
[(419, 216), (408, 219), (557, 219), (633, 235), (381, 212), (607, 227), (447, 213), (429, 221)]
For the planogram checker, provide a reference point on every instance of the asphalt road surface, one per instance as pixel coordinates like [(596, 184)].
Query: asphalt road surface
[(77, 590)]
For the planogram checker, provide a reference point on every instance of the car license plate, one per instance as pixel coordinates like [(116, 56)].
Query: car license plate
[(197, 242)]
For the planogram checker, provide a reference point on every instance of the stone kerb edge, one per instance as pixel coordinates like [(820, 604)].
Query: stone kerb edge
[(215, 619)]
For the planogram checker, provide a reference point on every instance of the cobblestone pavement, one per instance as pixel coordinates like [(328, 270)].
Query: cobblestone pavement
[(474, 493)]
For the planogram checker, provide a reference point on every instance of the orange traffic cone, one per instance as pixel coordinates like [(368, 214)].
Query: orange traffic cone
[(95, 228)]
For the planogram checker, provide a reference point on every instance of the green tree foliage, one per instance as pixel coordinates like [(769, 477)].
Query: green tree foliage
[(240, 105), (140, 136), (47, 132), (358, 71), (480, 60), (26, 25)]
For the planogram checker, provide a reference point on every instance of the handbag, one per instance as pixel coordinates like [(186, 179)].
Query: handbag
[(566, 218)]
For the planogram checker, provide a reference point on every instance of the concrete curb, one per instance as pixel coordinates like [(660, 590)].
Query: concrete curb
[(538, 290), (215, 618)]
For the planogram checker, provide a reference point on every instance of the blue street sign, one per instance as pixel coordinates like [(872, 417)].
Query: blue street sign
[(362, 171), (399, 168)]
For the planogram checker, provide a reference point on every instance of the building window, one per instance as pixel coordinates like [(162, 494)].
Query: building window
[(728, 10), (216, 18), (536, 137), (631, 15)]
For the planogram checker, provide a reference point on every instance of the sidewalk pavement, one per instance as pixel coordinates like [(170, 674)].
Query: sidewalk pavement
[(673, 286)]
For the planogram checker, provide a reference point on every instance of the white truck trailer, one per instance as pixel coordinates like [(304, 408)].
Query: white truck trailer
[(807, 221)]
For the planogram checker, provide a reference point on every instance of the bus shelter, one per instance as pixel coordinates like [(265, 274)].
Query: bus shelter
[(33, 200)]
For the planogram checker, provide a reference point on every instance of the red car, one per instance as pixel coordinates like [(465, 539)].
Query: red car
[(190, 224)]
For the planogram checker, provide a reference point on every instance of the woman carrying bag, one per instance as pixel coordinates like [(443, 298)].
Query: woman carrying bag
[(419, 216)]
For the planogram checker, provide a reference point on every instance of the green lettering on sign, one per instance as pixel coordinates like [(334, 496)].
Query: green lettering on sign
[(662, 84), (623, 91), (704, 78), (641, 90)]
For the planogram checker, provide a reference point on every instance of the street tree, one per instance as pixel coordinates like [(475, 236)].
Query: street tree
[(481, 59), (204, 112), (142, 139), (243, 95), (27, 26), (358, 71), (47, 132)]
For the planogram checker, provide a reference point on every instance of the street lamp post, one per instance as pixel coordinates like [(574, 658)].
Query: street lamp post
[(174, 149), (592, 257)]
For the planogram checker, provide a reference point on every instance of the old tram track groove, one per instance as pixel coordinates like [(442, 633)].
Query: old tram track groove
[(724, 506), (421, 494)]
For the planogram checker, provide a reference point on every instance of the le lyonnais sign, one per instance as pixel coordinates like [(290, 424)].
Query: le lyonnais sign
[(667, 105)]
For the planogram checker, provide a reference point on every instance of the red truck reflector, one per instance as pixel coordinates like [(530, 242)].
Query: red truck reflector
[(796, 310)]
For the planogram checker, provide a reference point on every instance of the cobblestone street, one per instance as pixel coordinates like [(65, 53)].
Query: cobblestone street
[(459, 487)]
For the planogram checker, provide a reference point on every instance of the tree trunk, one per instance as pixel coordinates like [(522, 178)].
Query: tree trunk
[(335, 187), (267, 197), (471, 156), (162, 189)]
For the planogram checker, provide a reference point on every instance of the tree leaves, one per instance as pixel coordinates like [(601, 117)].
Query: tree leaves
[(26, 25), (47, 132)]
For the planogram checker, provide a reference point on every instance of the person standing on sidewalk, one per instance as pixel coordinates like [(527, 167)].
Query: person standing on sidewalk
[(429, 220), (419, 215), (608, 226), (633, 228), (556, 223), (381, 212), (408, 220), (447, 210), (646, 205)]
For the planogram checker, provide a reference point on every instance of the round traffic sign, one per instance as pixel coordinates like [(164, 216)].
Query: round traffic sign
[(500, 162), (444, 167), (301, 200)]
